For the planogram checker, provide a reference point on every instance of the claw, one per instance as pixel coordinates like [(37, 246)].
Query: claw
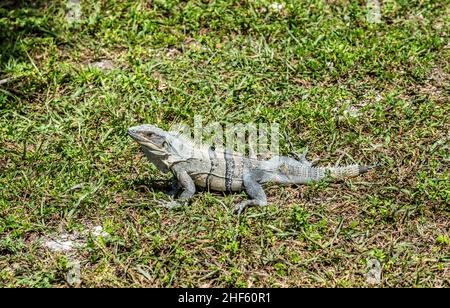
[(303, 156), (239, 208)]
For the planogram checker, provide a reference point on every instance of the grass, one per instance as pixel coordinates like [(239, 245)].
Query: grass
[(66, 161)]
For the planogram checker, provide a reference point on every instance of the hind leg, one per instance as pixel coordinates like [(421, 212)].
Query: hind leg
[(302, 158)]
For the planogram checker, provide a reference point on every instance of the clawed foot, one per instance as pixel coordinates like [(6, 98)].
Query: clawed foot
[(240, 207), (172, 204), (302, 158)]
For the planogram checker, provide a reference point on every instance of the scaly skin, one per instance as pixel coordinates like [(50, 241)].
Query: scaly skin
[(223, 170)]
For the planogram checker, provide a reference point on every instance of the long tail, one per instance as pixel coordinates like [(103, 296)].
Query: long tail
[(345, 171)]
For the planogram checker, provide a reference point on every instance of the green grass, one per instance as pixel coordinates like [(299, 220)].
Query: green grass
[(63, 123)]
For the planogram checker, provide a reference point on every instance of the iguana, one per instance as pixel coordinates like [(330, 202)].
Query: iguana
[(224, 170)]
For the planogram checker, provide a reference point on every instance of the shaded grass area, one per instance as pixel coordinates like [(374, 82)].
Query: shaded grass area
[(350, 90)]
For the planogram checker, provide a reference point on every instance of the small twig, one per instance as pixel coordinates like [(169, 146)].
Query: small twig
[(6, 80), (34, 64), (336, 233)]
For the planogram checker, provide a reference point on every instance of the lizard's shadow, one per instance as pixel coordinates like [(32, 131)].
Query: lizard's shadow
[(165, 186), (154, 185)]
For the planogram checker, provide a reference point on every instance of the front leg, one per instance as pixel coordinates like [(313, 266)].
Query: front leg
[(186, 184), (255, 192)]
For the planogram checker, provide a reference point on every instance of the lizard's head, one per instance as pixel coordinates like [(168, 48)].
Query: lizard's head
[(155, 143), (161, 148), (150, 137)]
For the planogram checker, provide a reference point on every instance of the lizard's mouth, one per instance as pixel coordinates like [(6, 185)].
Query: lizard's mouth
[(138, 138), (137, 135), (152, 144)]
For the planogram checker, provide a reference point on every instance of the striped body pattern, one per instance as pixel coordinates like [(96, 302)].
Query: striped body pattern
[(223, 171)]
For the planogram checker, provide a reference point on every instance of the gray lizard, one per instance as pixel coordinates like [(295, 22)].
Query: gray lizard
[(225, 170)]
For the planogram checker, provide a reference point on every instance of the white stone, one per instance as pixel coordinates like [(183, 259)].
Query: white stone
[(276, 7), (73, 11), (373, 276), (59, 245), (103, 64), (98, 231), (373, 11), (73, 275)]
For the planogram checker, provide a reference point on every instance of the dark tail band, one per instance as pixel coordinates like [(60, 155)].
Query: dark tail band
[(365, 169)]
